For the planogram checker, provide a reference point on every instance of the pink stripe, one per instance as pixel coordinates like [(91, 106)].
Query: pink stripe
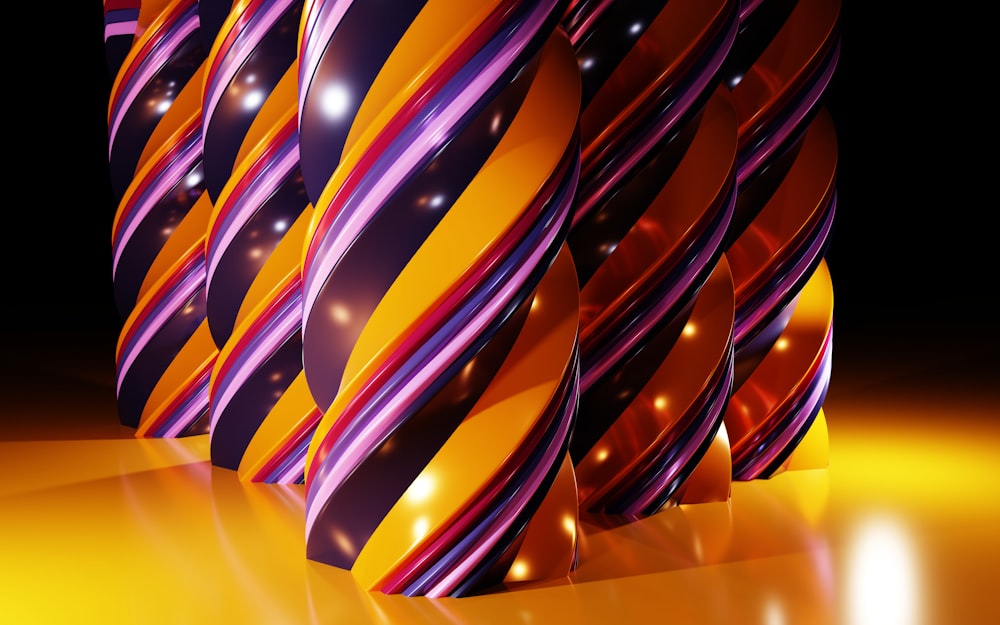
[(355, 452), (153, 63), (345, 228), (120, 28), (246, 206), (173, 302), (235, 57), (315, 39)]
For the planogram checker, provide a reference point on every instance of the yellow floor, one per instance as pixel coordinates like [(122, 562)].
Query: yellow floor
[(902, 528)]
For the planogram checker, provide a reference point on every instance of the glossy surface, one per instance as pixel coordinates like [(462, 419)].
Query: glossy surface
[(439, 328), (100, 527)]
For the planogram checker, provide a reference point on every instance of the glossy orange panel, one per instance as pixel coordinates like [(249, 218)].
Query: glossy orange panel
[(100, 527)]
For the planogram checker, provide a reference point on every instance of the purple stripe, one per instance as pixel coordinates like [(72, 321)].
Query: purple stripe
[(254, 30), (160, 55), (244, 207), (292, 468), (176, 170), (420, 139), (283, 323), (627, 340), (166, 306)]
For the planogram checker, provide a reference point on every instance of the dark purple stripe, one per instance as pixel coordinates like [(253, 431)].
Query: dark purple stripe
[(251, 404), (366, 36), (211, 15), (391, 238), (260, 72), (756, 191), (138, 123), (149, 238), (249, 251), (757, 31), (605, 45), (156, 356)]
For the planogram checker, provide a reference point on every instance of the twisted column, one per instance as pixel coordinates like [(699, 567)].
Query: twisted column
[(439, 147), (253, 244), (155, 159), (786, 174), (656, 197)]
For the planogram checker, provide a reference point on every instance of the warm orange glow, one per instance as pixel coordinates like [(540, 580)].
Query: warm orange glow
[(899, 528)]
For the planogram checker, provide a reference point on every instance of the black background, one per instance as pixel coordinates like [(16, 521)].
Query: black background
[(914, 234)]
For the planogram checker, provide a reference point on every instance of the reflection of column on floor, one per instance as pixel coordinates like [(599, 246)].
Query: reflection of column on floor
[(464, 271)]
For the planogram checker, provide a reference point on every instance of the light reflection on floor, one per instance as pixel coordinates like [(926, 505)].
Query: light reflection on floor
[(901, 529)]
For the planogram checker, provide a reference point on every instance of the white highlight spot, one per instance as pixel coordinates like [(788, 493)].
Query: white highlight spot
[(253, 100), (773, 614), (335, 101), (421, 488), (420, 528), (882, 589)]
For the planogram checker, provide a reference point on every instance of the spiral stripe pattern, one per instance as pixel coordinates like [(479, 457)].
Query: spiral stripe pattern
[(427, 283), (785, 211), (154, 336), (648, 73), (252, 52), (159, 230), (254, 293), (121, 21), (153, 206), (783, 87), (657, 195), (158, 66)]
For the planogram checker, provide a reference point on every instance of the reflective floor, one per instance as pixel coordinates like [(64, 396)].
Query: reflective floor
[(903, 527)]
